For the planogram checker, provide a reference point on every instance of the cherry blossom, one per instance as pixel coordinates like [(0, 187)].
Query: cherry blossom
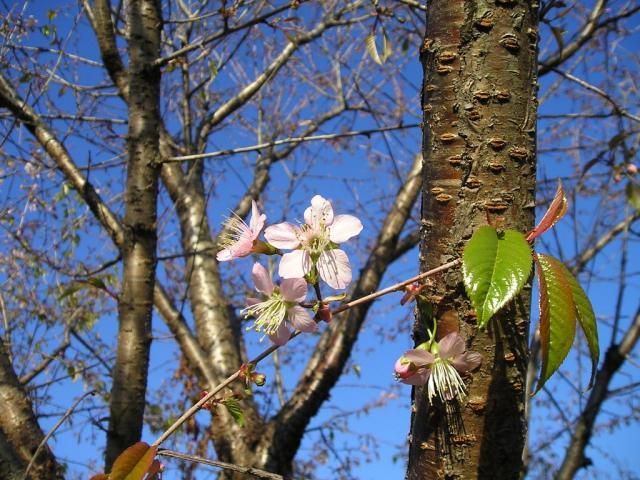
[(242, 238), (315, 243), (439, 367), (281, 308)]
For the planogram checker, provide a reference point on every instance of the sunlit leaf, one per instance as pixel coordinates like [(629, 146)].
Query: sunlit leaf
[(495, 268), (586, 320), (557, 315), (555, 212), (372, 49), (235, 410), (387, 50), (100, 476), (133, 463), (633, 195)]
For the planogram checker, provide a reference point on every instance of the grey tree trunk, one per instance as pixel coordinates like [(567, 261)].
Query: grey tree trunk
[(139, 248), (479, 103)]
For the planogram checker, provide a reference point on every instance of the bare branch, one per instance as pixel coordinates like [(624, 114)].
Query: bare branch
[(575, 458), (255, 472), (285, 141)]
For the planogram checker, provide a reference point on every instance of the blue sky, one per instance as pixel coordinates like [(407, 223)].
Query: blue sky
[(385, 334)]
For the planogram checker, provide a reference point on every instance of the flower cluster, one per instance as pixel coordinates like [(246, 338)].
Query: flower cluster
[(438, 365), (314, 254)]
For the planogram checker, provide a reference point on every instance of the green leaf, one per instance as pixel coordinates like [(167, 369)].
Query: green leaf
[(51, 14), (586, 320), (235, 410), (557, 315), (633, 195), (387, 50), (495, 268), (133, 463)]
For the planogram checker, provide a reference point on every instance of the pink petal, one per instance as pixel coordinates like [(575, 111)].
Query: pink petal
[(467, 362), (252, 301), (319, 213), (281, 336), (451, 345), (300, 319), (225, 255), (419, 378), (257, 220), (343, 228), (294, 289), (294, 264), (403, 369), (419, 357), (334, 268), (282, 235), (262, 279)]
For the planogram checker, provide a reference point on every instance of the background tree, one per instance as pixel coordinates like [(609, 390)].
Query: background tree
[(272, 101)]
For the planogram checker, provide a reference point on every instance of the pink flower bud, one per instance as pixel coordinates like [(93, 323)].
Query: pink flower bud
[(632, 168), (324, 314), (404, 369)]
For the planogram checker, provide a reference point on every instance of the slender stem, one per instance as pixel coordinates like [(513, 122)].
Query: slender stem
[(256, 472), (367, 298), (46, 438)]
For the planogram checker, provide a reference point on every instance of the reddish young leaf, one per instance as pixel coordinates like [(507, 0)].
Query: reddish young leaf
[(133, 463), (555, 212), (558, 315), (100, 476)]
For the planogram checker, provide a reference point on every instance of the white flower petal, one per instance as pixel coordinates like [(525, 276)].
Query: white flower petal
[(419, 378), (262, 279), (419, 357), (334, 268), (294, 264), (282, 235), (281, 336), (294, 289), (300, 319), (257, 220), (225, 255), (467, 362), (320, 212), (343, 228), (451, 345)]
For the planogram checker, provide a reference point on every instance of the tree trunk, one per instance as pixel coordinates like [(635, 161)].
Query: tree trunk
[(479, 105), (20, 433), (139, 249)]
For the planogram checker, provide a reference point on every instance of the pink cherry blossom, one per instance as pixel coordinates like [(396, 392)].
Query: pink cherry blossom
[(315, 242), (438, 367), (242, 238), (281, 308)]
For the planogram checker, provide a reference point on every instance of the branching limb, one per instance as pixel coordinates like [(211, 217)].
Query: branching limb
[(254, 472), (616, 355)]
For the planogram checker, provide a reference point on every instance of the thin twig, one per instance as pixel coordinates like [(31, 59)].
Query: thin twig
[(46, 438), (367, 298), (592, 88), (256, 472), (262, 146)]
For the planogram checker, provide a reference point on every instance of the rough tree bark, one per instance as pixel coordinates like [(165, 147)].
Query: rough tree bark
[(139, 249), (479, 104), (20, 433)]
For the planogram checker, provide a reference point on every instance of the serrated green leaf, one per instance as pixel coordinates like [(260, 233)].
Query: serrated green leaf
[(586, 320), (235, 410), (495, 268), (633, 195), (133, 463), (557, 315)]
